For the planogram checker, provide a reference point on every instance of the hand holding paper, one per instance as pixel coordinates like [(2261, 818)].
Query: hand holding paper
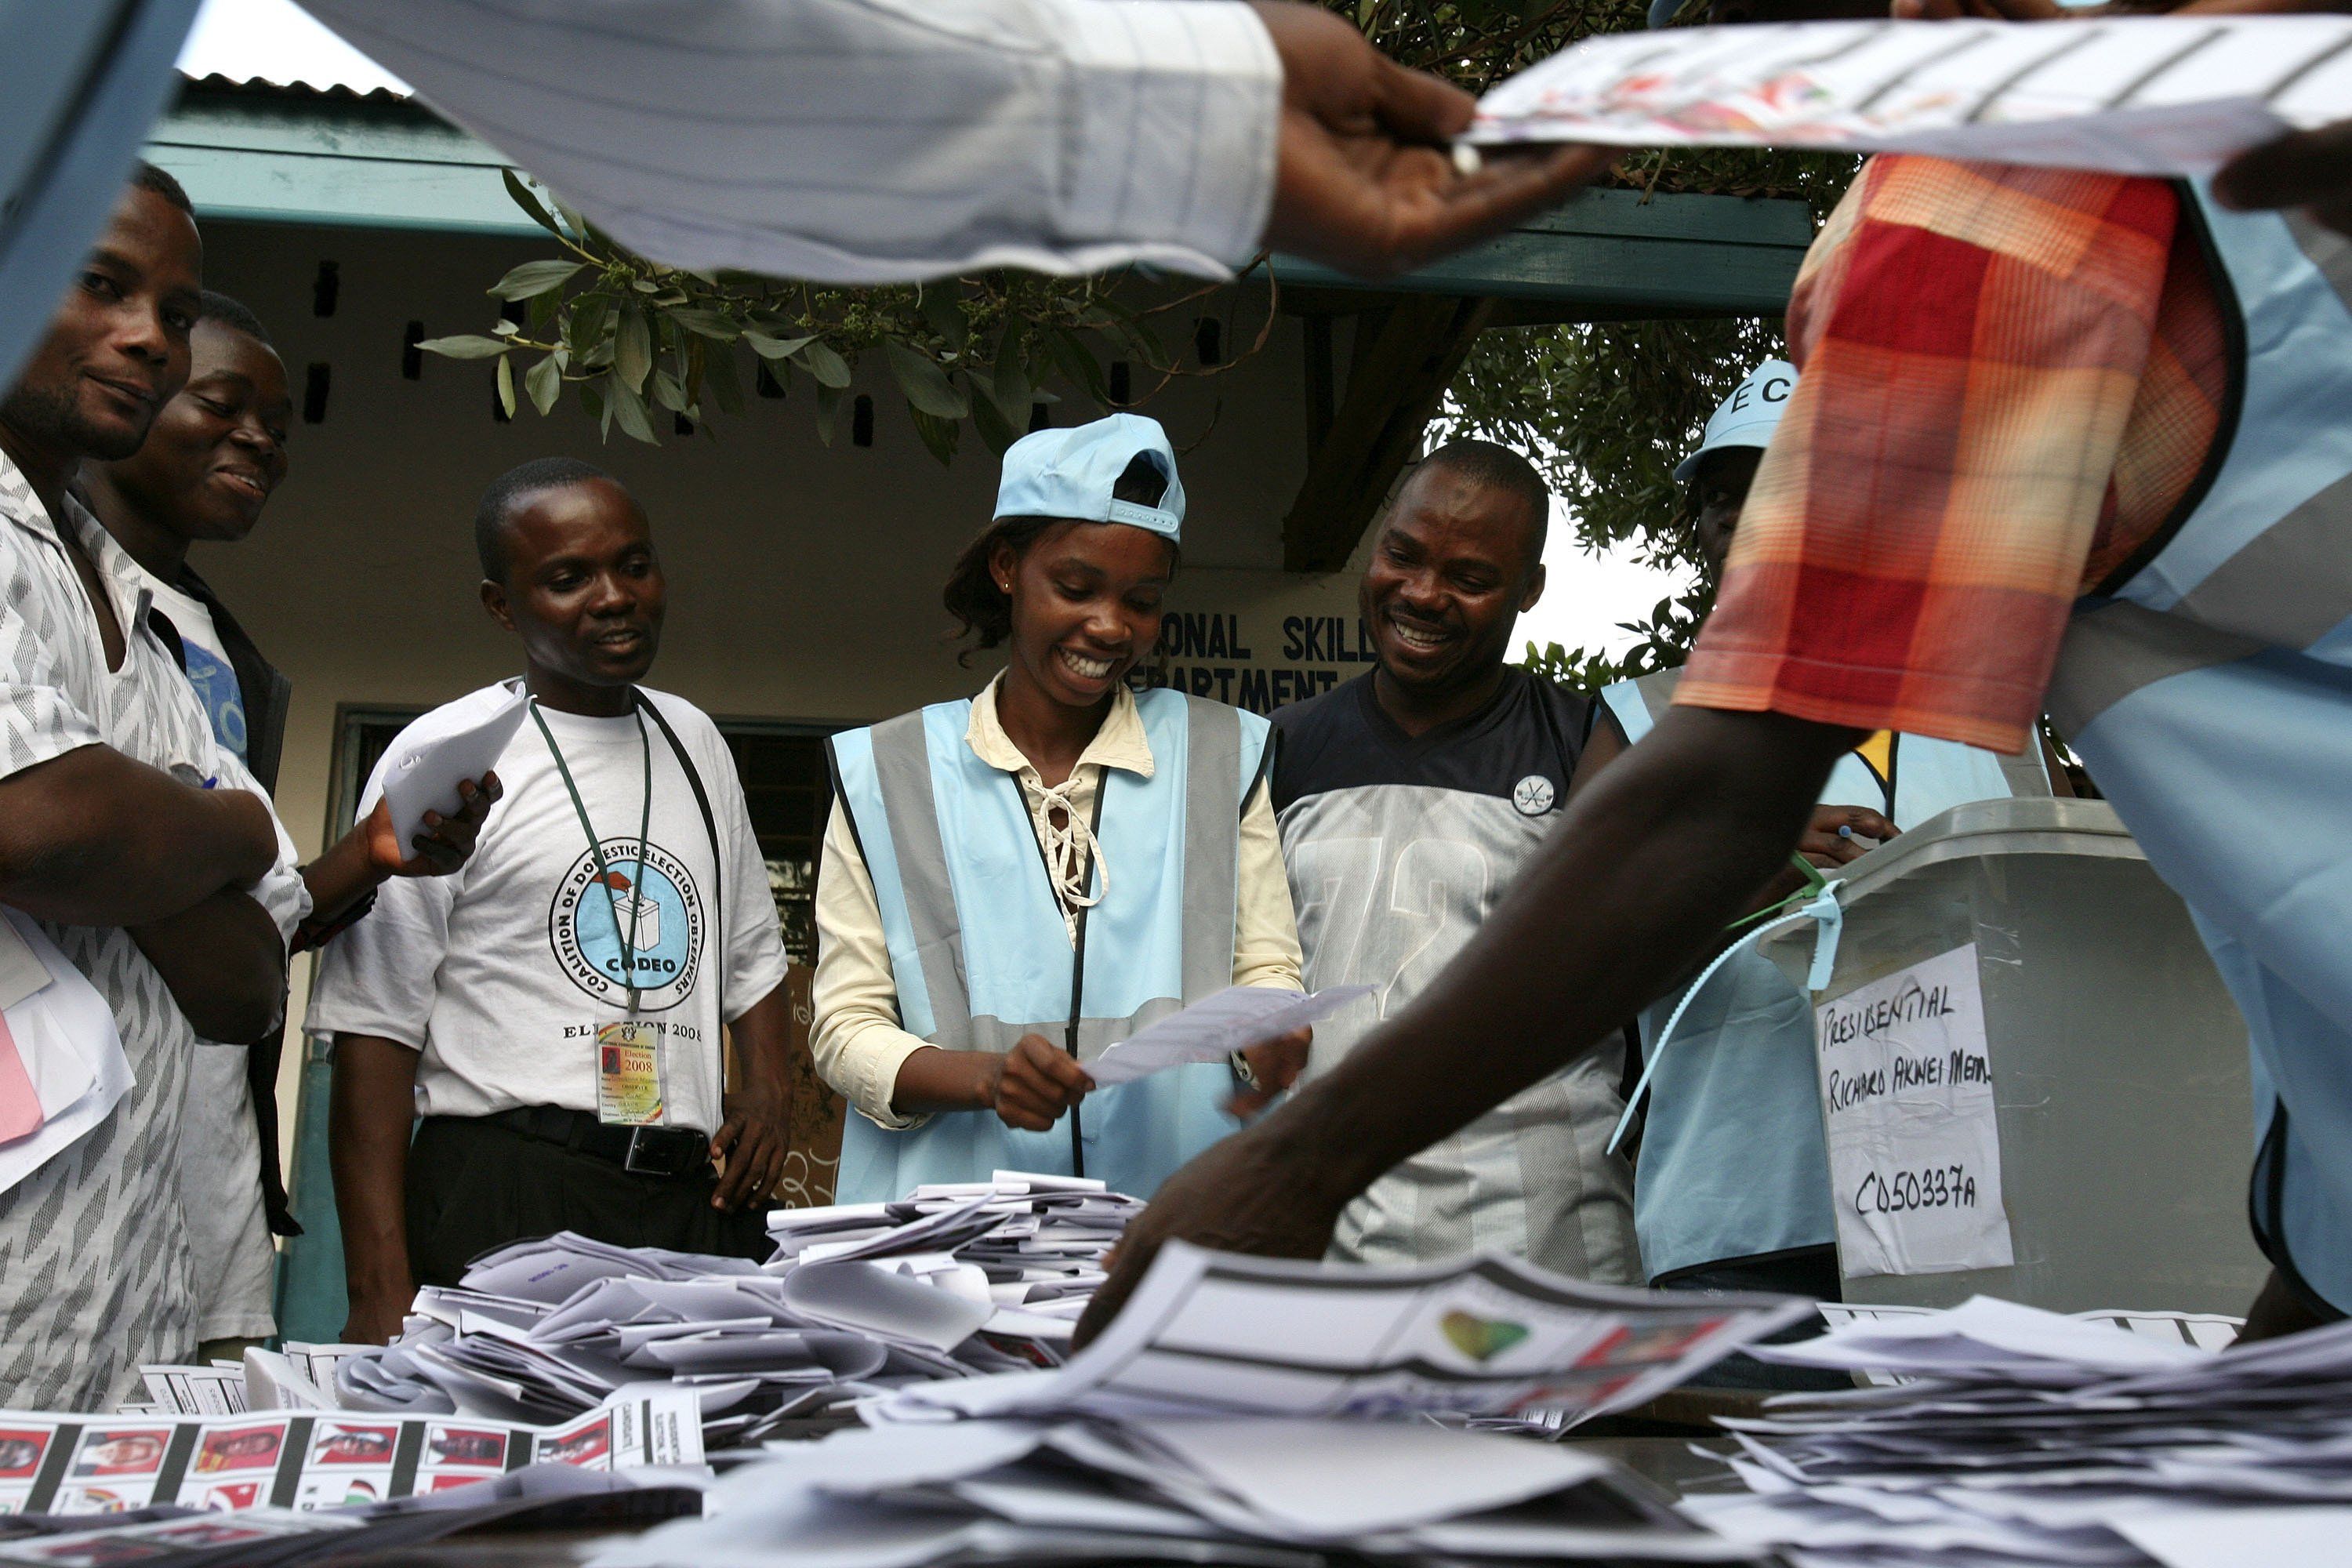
[(1209, 1031), (422, 774)]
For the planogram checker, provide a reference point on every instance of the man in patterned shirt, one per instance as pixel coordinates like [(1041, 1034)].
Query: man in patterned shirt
[(144, 851), (2038, 406)]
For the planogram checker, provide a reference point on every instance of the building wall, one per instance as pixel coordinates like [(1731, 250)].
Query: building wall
[(804, 580)]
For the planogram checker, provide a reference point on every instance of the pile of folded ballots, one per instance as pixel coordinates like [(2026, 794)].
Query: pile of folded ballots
[(952, 1281), (2016, 1435), (1261, 1491)]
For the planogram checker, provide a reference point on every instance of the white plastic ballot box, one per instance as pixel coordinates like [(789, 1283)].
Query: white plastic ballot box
[(2032, 1081)]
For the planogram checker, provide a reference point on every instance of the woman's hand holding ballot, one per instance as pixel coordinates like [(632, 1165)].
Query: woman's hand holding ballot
[(1028, 1087), (1034, 1083)]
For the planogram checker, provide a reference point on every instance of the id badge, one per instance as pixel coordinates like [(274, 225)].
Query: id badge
[(628, 1074)]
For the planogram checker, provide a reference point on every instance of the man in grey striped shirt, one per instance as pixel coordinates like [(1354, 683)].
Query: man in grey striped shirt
[(146, 853)]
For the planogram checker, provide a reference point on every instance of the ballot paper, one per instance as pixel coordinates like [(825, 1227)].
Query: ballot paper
[(1277, 1493), (1487, 1335), (1212, 1029), (64, 1035), (2137, 95), (174, 1390), (2026, 1436), (2204, 1331), (275, 1381), (54, 1463), (423, 770)]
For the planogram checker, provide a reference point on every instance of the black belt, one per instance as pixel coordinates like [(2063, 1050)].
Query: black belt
[(642, 1151)]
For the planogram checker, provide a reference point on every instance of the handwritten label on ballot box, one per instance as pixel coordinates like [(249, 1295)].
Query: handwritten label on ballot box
[(1914, 1153)]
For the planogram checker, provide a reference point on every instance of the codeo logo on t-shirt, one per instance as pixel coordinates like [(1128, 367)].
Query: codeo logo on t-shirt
[(659, 895)]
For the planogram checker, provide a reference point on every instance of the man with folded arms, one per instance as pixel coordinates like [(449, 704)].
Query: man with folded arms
[(140, 847)]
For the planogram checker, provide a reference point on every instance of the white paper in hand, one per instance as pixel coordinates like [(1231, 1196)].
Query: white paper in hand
[(2140, 95), (1209, 1031), (422, 776)]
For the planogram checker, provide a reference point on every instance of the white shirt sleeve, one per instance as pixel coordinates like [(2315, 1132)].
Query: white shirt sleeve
[(755, 938), (281, 891), (382, 976), (866, 140), (855, 1034)]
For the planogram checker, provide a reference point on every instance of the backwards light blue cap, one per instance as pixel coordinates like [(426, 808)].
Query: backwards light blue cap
[(1070, 473), (1749, 415)]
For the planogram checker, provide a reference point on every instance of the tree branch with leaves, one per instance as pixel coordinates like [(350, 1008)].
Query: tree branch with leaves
[(631, 338)]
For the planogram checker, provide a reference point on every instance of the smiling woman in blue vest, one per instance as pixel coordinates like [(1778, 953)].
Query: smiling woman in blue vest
[(1017, 881)]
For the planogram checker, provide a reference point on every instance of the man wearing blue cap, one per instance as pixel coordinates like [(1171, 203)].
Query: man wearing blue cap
[(1020, 880), (1732, 1191)]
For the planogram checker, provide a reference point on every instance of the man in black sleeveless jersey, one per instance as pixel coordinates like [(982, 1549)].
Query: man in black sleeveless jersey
[(1408, 799)]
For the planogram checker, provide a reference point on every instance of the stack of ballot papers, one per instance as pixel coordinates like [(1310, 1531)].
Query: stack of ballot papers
[(2026, 1436), (297, 1376), (1255, 1492), (1039, 1241), (1488, 1337), (953, 1282)]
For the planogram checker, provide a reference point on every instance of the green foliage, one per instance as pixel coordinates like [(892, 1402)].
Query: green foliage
[(630, 336), (1666, 639), (1606, 410)]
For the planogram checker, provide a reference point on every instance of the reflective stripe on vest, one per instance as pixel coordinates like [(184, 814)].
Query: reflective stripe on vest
[(2210, 691), (980, 956), (1733, 1163)]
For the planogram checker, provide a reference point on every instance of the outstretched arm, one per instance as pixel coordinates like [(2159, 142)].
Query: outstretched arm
[(1612, 910), (1059, 136), (371, 854)]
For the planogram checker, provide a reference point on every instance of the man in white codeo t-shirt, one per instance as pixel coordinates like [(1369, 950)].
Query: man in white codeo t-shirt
[(553, 1010)]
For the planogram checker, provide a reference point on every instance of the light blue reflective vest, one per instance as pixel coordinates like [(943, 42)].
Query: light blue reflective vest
[(981, 957), (1733, 1163), (2208, 685)]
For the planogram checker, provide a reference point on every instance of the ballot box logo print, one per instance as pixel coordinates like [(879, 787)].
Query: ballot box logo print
[(659, 894), (1479, 1338)]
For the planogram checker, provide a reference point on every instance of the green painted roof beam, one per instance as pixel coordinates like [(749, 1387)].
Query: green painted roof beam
[(356, 162), (1619, 254)]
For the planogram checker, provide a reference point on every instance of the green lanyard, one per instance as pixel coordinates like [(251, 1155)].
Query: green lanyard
[(595, 848)]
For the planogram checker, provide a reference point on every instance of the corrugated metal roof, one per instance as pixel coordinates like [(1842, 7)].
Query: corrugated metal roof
[(287, 92), (277, 43)]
